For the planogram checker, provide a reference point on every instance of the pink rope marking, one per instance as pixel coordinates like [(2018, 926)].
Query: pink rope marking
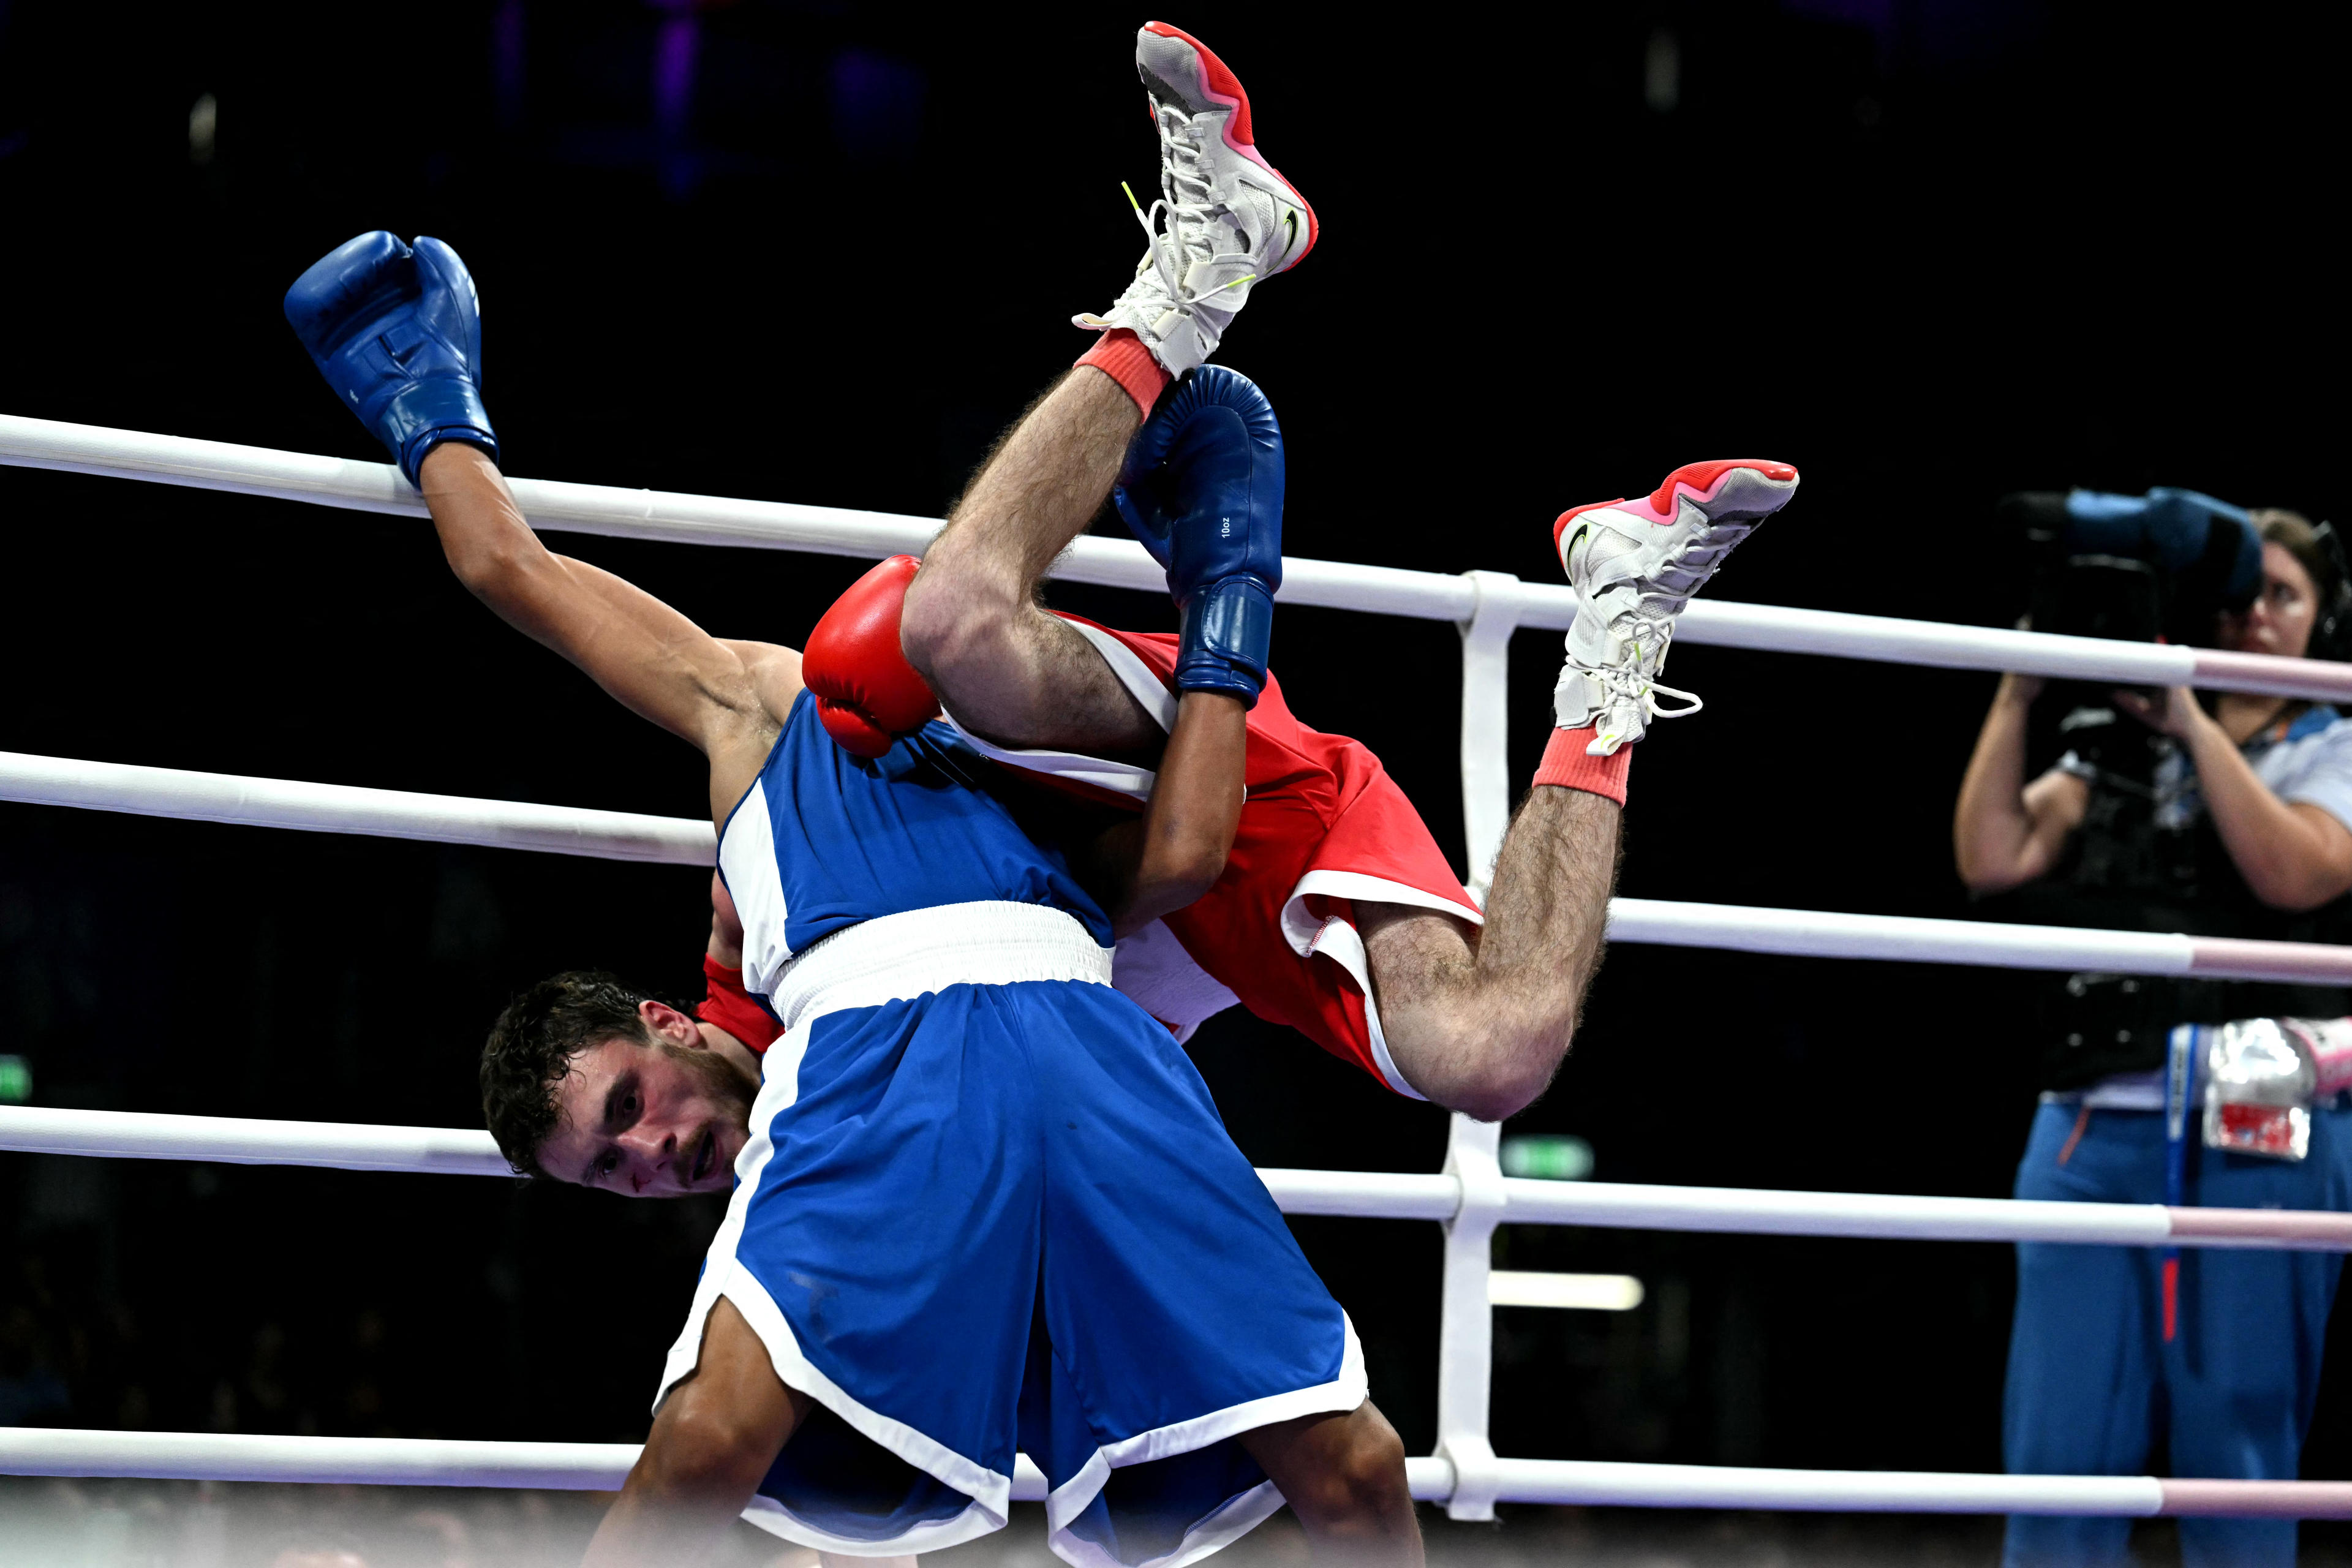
[(2258, 1499), (2248, 959), (2257, 672), (2306, 1228)]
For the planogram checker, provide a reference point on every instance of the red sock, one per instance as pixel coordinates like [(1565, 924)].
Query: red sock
[(1120, 355), (1565, 764)]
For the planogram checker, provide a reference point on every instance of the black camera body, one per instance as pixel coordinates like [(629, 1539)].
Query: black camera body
[(2154, 568)]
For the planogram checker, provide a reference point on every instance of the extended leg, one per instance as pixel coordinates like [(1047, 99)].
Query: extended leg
[(1343, 1475), (973, 624), (1226, 223), (1479, 1019)]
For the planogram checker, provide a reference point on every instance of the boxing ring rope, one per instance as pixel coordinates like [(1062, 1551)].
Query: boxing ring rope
[(1469, 1198), (688, 841), (559, 507), (1361, 1194), (602, 1467)]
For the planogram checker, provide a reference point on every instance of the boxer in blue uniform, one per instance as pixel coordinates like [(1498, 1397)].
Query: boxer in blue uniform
[(982, 1203)]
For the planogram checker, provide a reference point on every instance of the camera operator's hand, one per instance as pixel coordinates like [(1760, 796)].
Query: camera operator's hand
[(2177, 714), (2018, 689)]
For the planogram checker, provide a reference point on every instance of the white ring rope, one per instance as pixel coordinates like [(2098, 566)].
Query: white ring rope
[(602, 1467), (1364, 1194), (1430, 596), (626, 835), (348, 808), (1487, 606)]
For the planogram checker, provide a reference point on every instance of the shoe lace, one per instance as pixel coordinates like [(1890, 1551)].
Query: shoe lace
[(1625, 682), (1188, 205), (1644, 629)]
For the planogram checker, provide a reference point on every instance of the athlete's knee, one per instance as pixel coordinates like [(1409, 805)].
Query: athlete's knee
[(1497, 1094), (954, 613), (1483, 1067)]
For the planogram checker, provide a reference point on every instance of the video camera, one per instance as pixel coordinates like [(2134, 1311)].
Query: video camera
[(2154, 568), (2158, 567)]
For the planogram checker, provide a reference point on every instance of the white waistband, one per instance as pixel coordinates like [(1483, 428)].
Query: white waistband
[(899, 956)]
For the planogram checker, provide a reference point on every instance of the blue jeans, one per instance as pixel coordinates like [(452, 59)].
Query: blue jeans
[(2092, 1379)]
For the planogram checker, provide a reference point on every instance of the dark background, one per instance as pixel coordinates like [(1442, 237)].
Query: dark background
[(1929, 251)]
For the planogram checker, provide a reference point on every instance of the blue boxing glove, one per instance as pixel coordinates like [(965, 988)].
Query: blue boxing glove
[(1201, 487), (398, 334)]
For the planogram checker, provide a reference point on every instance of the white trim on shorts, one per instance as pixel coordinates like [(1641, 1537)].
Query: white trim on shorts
[(990, 1494), (891, 958), (1239, 1515), (1118, 778), (1337, 938)]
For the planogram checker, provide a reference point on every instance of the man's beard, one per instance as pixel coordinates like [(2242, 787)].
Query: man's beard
[(731, 1097)]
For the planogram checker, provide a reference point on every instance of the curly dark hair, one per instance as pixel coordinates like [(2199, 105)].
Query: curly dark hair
[(530, 1049)]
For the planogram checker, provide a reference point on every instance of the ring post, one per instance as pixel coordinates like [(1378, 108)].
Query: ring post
[(1485, 707), (1466, 1334)]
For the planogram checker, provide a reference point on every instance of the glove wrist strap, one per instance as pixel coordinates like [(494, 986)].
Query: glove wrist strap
[(1227, 630), (421, 416)]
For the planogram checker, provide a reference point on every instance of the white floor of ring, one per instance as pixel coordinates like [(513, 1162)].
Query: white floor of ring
[(182, 1524)]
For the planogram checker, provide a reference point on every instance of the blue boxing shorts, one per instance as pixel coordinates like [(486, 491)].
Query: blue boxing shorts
[(988, 1206)]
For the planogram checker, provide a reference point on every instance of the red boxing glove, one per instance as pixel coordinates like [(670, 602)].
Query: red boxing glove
[(867, 695)]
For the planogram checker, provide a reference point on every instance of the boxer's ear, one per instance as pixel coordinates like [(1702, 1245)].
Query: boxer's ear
[(665, 1025)]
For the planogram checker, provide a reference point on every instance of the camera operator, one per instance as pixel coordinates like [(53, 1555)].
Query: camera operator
[(2228, 817)]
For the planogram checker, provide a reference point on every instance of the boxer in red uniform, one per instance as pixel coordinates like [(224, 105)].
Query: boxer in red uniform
[(1334, 912)]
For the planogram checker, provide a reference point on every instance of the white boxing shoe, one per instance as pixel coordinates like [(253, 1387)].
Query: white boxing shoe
[(1225, 220), (1634, 564)]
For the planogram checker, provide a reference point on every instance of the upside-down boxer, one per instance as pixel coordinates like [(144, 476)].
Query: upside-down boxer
[(1335, 913), (985, 1202), (1327, 906)]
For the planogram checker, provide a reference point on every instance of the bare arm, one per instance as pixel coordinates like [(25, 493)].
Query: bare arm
[(2006, 832), (775, 674), (1176, 851), (717, 1434), (658, 663), (2294, 857)]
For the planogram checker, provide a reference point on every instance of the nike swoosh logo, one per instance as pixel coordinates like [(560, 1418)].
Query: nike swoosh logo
[(1289, 223), (1568, 551)]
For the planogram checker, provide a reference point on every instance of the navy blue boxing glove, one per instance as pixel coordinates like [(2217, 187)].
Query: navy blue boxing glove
[(397, 332), (1201, 487)]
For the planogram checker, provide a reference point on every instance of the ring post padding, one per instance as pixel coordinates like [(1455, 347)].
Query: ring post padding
[(1465, 1333), (1485, 711)]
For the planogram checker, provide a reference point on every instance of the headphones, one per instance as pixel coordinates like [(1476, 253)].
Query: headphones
[(2331, 632)]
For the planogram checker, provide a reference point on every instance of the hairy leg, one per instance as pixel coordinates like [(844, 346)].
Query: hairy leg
[(1343, 1475), (973, 624), (1479, 1018)]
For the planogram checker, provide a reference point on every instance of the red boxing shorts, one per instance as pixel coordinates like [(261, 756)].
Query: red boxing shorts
[(1322, 828)]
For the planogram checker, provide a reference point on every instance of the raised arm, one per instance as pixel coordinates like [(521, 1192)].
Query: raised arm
[(2005, 831), (396, 333), (652, 659)]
